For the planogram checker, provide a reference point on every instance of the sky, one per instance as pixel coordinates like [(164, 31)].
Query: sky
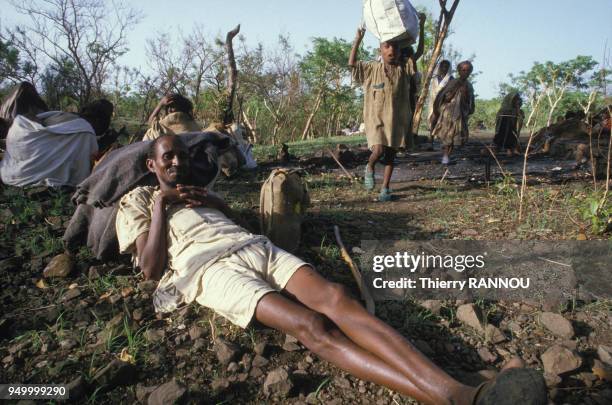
[(506, 36)]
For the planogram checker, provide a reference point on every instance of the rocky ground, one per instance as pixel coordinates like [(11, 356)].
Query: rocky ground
[(91, 325)]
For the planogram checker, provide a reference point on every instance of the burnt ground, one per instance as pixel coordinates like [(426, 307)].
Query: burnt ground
[(74, 329)]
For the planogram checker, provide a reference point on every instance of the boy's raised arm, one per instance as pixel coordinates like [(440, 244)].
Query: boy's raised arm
[(356, 43)]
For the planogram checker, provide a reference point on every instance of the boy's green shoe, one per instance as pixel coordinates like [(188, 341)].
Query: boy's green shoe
[(385, 195), (368, 180)]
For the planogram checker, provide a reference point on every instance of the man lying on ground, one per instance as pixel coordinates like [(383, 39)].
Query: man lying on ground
[(244, 277), (53, 148)]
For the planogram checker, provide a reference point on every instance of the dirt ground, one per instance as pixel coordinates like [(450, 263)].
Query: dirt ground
[(73, 330)]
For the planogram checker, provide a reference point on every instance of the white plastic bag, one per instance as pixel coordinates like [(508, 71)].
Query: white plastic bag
[(391, 20)]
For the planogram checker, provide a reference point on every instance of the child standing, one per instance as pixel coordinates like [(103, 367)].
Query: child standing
[(387, 109)]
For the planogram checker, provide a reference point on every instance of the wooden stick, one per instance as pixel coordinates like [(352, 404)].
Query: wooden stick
[(365, 292), (340, 164)]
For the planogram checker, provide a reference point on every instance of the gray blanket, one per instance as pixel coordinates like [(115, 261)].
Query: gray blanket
[(121, 171)]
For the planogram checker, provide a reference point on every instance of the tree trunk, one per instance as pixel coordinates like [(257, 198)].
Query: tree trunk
[(228, 114), (312, 114), (446, 16)]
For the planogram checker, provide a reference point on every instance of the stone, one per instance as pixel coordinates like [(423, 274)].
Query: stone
[(605, 354), (147, 286), (232, 367), (219, 384), (143, 392), (255, 372), (559, 360), (494, 335), (154, 335), (116, 373), (199, 343), (196, 332), (71, 294), (602, 370), (226, 351), (471, 315), (261, 348), (137, 314), (486, 355), (67, 344), (278, 383), (552, 380), (168, 393), (259, 361), (60, 266), (433, 306), (557, 325)]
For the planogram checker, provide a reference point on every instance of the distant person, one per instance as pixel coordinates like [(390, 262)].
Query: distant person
[(508, 124), (387, 108), (438, 81), (51, 148), (177, 119), (452, 108)]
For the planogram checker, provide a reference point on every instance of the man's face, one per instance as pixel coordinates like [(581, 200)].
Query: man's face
[(464, 71), (443, 69), (389, 52), (171, 162)]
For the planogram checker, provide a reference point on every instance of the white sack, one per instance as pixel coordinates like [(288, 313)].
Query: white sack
[(391, 20), (53, 155), (245, 148)]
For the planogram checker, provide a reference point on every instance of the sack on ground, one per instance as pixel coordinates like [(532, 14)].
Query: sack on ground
[(391, 20), (283, 201)]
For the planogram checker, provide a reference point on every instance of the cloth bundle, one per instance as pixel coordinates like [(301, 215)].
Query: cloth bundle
[(391, 20)]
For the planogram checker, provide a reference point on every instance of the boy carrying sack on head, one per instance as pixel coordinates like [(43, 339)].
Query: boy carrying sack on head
[(387, 110)]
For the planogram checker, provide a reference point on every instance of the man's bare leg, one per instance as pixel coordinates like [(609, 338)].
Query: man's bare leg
[(317, 333), (376, 337), (389, 157)]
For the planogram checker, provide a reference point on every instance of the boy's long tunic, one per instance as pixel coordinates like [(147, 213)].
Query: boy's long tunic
[(387, 113)]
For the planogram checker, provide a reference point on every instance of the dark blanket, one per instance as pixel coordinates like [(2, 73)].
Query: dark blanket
[(121, 171)]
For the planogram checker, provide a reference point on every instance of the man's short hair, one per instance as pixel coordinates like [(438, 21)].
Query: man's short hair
[(445, 62), (153, 145), (465, 62)]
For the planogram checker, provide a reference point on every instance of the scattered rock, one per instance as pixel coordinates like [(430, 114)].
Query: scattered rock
[(168, 393), (142, 392), (196, 332), (219, 384), (278, 382), (67, 344), (147, 286), (470, 232), (259, 361), (116, 373), (602, 371), (494, 335), (557, 324), (605, 354), (434, 306), (137, 314), (552, 380), (472, 316), (199, 343), (71, 294), (486, 355), (232, 367), (291, 344), (60, 266), (226, 351), (256, 372), (559, 360), (261, 348), (154, 335)]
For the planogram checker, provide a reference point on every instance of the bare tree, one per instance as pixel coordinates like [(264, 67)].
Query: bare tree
[(89, 33), (442, 30)]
